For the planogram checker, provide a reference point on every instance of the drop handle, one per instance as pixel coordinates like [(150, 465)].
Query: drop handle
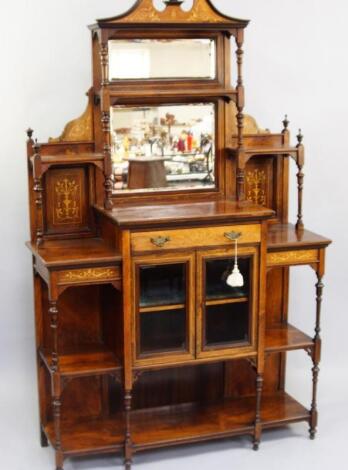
[(233, 236), (160, 241)]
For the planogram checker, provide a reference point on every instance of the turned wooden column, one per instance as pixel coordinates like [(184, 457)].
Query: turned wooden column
[(128, 447), (38, 190), (258, 425), (240, 118), (300, 178), (105, 121), (316, 354)]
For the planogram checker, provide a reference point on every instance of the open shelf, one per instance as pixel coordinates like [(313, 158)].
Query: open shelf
[(94, 360), (89, 436), (161, 308), (284, 337), (231, 300), (186, 423)]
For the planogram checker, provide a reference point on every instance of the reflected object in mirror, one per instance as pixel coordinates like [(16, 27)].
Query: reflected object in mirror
[(137, 59), (166, 147)]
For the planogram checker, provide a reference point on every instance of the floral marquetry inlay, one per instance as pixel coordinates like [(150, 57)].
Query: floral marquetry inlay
[(89, 275), (68, 200), (201, 12), (256, 188), (288, 258)]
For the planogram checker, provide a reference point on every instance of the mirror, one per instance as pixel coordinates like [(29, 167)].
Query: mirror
[(136, 59), (166, 147)]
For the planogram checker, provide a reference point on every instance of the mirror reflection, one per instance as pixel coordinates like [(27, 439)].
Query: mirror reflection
[(159, 59), (166, 147)]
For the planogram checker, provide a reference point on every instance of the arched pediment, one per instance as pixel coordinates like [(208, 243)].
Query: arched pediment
[(202, 11)]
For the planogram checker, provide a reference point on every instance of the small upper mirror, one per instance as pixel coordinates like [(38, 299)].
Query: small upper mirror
[(137, 59)]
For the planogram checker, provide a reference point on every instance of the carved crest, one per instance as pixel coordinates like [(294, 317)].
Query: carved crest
[(202, 11)]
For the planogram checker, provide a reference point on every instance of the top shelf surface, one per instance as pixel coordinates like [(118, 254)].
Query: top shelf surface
[(89, 251), (227, 211), (284, 236)]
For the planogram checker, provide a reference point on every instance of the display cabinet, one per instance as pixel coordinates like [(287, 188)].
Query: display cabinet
[(161, 247)]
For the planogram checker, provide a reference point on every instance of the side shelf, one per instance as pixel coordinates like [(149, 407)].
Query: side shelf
[(285, 337)]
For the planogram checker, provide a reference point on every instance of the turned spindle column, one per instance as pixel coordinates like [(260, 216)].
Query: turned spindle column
[(240, 118), (258, 424), (300, 178), (38, 190), (105, 121), (316, 358), (53, 312), (128, 450)]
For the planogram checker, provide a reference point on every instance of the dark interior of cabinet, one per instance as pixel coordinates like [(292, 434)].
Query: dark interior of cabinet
[(162, 285), (228, 321), (163, 331), (216, 273)]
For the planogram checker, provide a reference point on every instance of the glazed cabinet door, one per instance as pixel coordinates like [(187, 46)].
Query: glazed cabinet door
[(226, 316), (163, 309)]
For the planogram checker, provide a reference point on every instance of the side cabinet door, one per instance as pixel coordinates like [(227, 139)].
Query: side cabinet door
[(226, 316), (163, 309)]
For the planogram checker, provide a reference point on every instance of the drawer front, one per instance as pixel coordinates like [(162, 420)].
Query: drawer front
[(194, 237)]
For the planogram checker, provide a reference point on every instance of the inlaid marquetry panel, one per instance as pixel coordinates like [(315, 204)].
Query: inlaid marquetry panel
[(67, 200), (89, 275), (259, 185), (201, 12), (295, 257)]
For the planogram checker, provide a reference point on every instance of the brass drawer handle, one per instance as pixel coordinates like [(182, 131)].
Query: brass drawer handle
[(233, 236), (160, 241)]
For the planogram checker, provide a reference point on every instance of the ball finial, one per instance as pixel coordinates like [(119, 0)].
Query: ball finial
[(300, 137)]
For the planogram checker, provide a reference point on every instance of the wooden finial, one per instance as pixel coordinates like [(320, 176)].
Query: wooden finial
[(286, 123), (29, 133), (36, 147), (300, 137)]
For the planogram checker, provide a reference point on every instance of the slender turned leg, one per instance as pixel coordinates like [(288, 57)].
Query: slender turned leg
[(258, 427), (56, 416), (128, 451), (316, 360), (53, 311)]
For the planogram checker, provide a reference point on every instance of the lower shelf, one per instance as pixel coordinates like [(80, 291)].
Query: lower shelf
[(161, 427)]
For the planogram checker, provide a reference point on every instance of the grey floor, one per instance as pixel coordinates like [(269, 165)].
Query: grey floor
[(283, 449)]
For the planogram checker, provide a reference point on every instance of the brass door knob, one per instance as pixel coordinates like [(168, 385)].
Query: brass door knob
[(160, 241)]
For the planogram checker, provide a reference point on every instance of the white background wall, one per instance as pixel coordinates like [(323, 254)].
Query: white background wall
[(296, 62)]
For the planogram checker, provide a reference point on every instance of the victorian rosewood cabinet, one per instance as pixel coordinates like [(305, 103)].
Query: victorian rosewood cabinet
[(137, 212)]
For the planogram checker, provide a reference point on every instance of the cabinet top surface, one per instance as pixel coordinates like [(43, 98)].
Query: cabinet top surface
[(186, 213), (284, 236)]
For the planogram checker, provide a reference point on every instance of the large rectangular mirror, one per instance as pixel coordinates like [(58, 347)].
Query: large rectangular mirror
[(137, 59), (165, 147)]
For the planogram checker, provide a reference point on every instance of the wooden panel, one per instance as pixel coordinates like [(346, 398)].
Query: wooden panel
[(190, 238), (290, 258), (83, 276), (67, 200), (259, 186)]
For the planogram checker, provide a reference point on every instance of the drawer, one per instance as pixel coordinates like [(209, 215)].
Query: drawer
[(194, 237)]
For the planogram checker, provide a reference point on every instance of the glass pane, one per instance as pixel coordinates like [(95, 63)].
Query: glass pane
[(163, 331), (162, 285), (217, 271), (166, 147), (162, 58), (227, 324)]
